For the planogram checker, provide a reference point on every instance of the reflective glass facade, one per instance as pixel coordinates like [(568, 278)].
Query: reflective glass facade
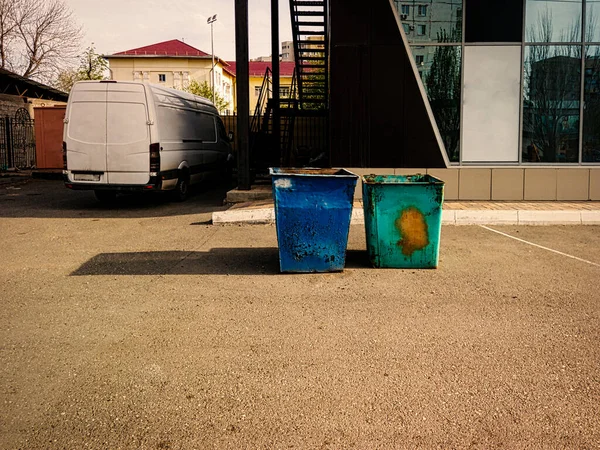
[(552, 83), (431, 21), (559, 104), (439, 68), (591, 111), (427, 24), (552, 21)]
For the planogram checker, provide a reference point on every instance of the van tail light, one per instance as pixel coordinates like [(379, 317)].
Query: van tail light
[(154, 157), (64, 154)]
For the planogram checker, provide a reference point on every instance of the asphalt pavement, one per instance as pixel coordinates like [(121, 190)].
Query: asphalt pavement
[(140, 325)]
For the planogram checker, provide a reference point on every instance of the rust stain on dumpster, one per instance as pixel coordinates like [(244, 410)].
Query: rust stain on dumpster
[(413, 229)]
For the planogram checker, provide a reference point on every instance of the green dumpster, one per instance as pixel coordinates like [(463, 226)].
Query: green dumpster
[(403, 220)]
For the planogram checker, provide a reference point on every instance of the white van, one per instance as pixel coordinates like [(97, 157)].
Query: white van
[(128, 136)]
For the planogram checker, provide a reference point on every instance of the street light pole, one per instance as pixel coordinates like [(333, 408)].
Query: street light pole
[(211, 20)]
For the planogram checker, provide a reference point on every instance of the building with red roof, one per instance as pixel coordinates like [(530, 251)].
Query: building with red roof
[(173, 64), (257, 71)]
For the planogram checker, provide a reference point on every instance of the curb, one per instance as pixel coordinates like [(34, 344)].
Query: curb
[(449, 217)]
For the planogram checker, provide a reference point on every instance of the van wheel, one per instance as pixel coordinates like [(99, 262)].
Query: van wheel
[(180, 193), (106, 196)]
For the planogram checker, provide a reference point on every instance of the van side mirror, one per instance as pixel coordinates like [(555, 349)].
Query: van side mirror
[(230, 136)]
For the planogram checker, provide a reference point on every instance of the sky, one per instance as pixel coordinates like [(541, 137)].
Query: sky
[(118, 25)]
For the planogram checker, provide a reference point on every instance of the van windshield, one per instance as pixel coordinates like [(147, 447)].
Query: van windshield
[(87, 122)]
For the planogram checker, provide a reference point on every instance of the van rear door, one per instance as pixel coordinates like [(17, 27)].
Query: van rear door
[(86, 131), (127, 134)]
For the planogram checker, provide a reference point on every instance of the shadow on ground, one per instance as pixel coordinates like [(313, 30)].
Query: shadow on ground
[(217, 261), (51, 199)]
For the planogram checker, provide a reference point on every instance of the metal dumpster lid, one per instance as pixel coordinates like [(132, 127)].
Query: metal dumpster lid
[(416, 179), (311, 172)]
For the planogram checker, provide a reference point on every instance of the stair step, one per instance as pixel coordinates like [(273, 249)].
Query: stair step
[(311, 50), (311, 42), (312, 58), (311, 33), (309, 13), (309, 3), (310, 24), (313, 66)]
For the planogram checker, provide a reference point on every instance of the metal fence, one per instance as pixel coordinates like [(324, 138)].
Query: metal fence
[(17, 143), (309, 143)]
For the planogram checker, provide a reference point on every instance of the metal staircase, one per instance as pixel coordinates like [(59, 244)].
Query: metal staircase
[(266, 152), (310, 33)]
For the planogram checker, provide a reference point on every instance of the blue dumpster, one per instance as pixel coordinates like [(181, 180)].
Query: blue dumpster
[(403, 220), (313, 208)]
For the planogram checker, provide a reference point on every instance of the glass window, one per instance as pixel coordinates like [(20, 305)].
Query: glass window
[(552, 84), (592, 27), (406, 28), (162, 77), (440, 72), (257, 90), (553, 21), (507, 25), (491, 103), (591, 105), (419, 59), (187, 125), (437, 21)]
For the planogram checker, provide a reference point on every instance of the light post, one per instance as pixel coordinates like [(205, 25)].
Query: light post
[(211, 20)]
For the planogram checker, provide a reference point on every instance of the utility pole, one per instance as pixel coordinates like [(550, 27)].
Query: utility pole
[(211, 20)]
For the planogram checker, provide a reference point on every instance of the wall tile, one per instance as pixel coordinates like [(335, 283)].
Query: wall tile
[(474, 184), (450, 178), (507, 184), (540, 184), (594, 184), (573, 184)]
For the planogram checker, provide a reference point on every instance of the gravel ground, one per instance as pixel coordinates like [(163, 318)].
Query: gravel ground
[(140, 326)]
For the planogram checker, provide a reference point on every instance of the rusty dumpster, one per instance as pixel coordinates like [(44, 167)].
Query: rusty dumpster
[(403, 218), (313, 208)]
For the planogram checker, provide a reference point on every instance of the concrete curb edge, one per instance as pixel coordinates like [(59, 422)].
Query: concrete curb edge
[(449, 217)]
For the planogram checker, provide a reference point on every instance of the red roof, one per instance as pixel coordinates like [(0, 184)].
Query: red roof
[(174, 47), (258, 68)]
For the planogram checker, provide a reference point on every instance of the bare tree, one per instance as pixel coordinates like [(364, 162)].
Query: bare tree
[(442, 83), (37, 37), (8, 29), (552, 83)]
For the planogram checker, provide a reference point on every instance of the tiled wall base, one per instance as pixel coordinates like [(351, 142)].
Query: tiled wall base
[(508, 184)]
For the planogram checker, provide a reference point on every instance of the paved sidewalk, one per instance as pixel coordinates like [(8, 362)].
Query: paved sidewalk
[(454, 213)]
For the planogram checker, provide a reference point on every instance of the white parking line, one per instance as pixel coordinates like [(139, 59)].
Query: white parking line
[(541, 246)]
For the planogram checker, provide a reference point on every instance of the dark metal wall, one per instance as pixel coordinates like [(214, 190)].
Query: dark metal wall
[(378, 115)]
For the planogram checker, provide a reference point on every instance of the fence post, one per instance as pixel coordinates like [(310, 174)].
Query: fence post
[(9, 144)]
